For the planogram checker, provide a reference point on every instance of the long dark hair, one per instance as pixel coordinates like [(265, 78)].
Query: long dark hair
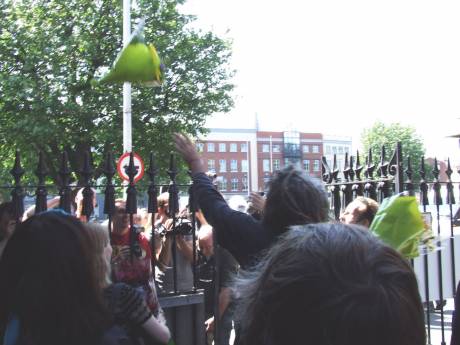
[(49, 284), (294, 198), (6, 214), (330, 284)]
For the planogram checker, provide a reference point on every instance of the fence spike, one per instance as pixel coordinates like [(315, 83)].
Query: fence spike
[(109, 192), (17, 194), (88, 194), (131, 193), (40, 192), (436, 185), (152, 190), (64, 190)]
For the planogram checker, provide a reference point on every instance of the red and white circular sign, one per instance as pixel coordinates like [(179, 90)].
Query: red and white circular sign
[(123, 162)]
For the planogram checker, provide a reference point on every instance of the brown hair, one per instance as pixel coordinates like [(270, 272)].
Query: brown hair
[(47, 281), (330, 284)]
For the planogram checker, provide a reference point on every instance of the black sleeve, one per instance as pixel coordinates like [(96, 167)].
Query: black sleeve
[(238, 232)]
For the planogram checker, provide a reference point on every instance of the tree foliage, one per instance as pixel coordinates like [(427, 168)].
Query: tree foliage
[(51, 49), (382, 135)]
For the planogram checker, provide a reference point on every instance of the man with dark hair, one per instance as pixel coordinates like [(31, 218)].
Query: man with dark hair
[(293, 198), (330, 284)]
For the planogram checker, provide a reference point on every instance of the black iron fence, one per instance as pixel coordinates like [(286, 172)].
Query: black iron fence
[(183, 307), (436, 270)]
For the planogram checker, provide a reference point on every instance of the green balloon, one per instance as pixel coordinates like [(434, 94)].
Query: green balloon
[(137, 62), (399, 223)]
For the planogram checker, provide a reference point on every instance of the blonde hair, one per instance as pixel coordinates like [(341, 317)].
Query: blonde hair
[(99, 237)]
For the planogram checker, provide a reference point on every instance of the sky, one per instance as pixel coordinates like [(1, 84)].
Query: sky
[(336, 67)]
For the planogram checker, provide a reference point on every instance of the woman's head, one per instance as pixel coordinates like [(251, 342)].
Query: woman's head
[(48, 282), (101, 251), (331, 284), (293, 199)]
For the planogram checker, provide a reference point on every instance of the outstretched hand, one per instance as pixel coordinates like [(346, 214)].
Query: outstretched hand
[(257, 201), (188, 151)]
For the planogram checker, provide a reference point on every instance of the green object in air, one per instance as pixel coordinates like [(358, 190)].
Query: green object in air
[(137, 63), (399, 224), (171, 342)]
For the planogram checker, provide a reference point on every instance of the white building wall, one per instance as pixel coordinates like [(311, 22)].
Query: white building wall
[(343, 142)]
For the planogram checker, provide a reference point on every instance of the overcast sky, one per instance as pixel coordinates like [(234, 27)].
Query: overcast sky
[(337, 66)]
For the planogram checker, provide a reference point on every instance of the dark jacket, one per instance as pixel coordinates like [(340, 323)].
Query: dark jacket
[(241, 234)]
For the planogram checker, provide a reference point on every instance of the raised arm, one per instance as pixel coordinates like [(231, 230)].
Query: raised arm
[(238, 232), (189, 153)]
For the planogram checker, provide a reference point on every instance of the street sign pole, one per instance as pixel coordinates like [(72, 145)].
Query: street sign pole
[(127, 123)]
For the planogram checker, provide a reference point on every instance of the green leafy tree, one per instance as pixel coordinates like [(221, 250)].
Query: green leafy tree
[(387, 136), (50, 50)]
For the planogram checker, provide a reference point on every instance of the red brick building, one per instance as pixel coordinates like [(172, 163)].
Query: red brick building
[(245, 159)]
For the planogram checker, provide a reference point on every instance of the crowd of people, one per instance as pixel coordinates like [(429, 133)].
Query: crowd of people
[(286, 273)]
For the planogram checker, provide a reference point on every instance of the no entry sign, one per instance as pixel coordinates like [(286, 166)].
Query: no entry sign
[(123, 162)]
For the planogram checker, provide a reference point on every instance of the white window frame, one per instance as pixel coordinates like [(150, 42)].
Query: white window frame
[(211, 147), (233, 165), (266, 165), (222, 164), (244, 165), (233, 182), (316, 165), (212, 165)]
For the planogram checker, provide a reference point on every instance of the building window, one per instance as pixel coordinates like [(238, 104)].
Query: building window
[(346, 149), (233, 165), (305, 148), (266, 165), (244, 147), (316, 165), (244, 165), (199, 147), (265, 148), (276, 164), (276, 148), (334, 149), (306, 165), (340, 150), (244, 183), (328, 150), (222, 165), (212, 165), (315, 149), (222, 147), (286, 162), (233, 147), (234, 184), (222, 184), (211, 147)]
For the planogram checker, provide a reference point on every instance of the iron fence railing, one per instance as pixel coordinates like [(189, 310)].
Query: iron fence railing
[(131, 195), (436, 270)]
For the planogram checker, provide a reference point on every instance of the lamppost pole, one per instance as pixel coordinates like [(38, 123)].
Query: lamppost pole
[(127, 123)]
